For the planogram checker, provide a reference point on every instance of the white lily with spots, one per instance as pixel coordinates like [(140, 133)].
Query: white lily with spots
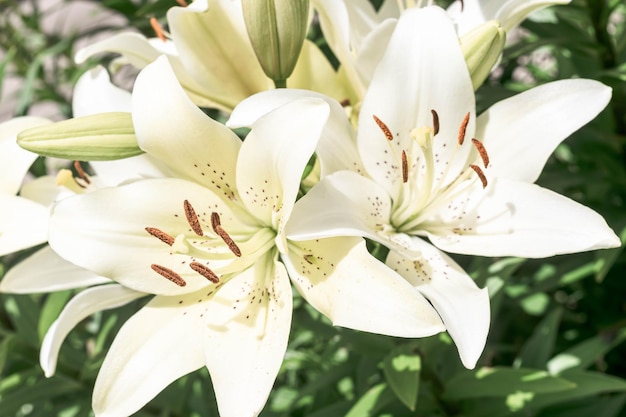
[(209, 242), (422, 166)]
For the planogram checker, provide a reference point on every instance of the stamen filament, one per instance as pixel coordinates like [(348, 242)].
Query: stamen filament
[(168, 274), (481, 151), (385, 129), (161, 235), (205, 271), (192, 219)]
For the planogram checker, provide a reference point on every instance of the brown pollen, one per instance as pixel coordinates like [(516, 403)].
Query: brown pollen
[(161, 235), (435, 122), (205, 271), (481, 151), (192, 218), (383, 127), (405, 168), (463, 128), (217, 228), (480, 174), (168, 274)]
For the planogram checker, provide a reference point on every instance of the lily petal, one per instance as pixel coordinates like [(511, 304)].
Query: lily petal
[(110, 237), (14, 160), (45, 271), (94, 93), (343, 281), (336, 148), (514, 218), (77, 309), (433, 76), (156, 346), (274, 155), (534, 122), (43, 190), (463, 307), (195, 146), (134, 47), (244, 353), (23, 223)]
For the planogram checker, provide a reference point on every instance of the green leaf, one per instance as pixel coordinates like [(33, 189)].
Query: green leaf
[(538, 348), (402, 371), (605, 407), (51, 310), (373, 400), (501, 382)]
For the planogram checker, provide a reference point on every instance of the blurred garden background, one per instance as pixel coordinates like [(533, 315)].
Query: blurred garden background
[(556, 345)]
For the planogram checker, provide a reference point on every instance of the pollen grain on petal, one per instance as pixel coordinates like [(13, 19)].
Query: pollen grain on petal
[(480, 174), (435, 122), (192, 218), (385, 129), (463, 128), (161, 235), (168, 274), (405, 168), (158, 29), (81, 172), (481, 151), (205, 271)]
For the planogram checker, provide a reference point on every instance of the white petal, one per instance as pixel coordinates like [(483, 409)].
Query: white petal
[(214, 47), (336, 148), (520, 133), (372, 49), (134, 47), (244, 354), (513, 218), (341, 204), (463, 307), (45, 271), (94, 93), (274, 155), (342, 280), (43, 190), (23, 223), (175, 131), (14, 160), (158, 345), (422, 70), (116, 172), (77, 309), (104, 231)]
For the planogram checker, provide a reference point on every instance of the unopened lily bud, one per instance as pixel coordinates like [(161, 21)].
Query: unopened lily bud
[(99, 137), (277, 29), (482, 47)]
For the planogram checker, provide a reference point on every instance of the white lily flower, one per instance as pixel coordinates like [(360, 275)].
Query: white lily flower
[(433, 170), (213, 58), (210, 244), (358, 34)]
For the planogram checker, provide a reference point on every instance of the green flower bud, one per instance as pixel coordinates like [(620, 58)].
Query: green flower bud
[(482, 47), (277, 29), (99, 137)]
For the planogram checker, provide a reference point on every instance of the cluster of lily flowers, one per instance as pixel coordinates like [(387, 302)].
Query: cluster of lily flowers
[(219, 231)]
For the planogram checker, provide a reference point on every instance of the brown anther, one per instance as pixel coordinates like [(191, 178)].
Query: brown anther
[(463, 128), (161, 235), (480, 174), (405, 168), (80, 183), (308, 258), (192, 219), (81, 172), (481, 151), (183, 3), (435, 122), (217, 228), (383, 127), (168, 274), (205, 271), (345, 102), (158, 29)]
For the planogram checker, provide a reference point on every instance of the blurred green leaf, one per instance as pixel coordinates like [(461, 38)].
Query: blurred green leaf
[(402, 372), (540, 345), (372, 401)]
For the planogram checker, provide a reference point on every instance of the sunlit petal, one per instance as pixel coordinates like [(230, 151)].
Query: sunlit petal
[(23, 223)]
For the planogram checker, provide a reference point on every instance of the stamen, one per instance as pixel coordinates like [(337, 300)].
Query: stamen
[(217, 228), (81, 173), (405, 168), (462, 5), (158, 29), (480, 174), (435, 122), (345, 102), (183, 3), (463, 128), (205, 271), (481, 151), (169, 274), (383, 127), (192, 219), (308, 258), (161, 235)]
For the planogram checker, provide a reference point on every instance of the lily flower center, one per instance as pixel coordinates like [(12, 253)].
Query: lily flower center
[(434, 171)]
